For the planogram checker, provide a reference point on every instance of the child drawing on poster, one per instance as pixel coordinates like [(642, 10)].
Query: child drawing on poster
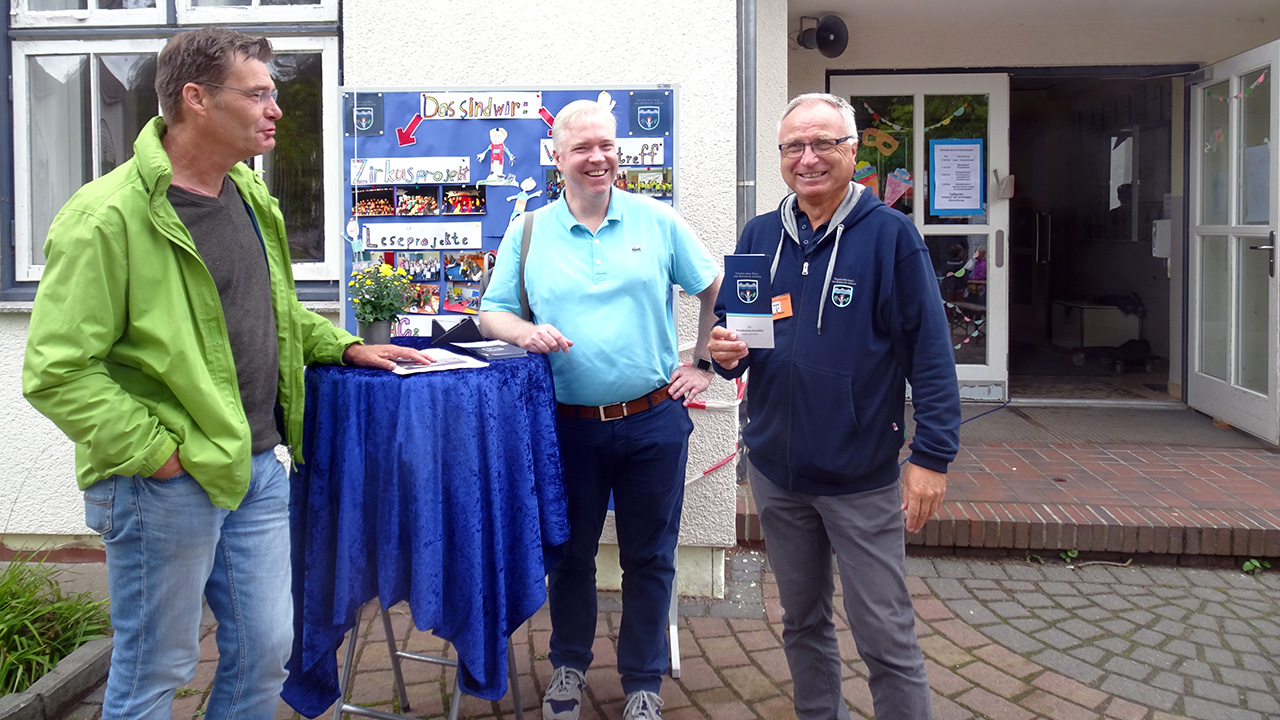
[(497, 170), (522, 197)]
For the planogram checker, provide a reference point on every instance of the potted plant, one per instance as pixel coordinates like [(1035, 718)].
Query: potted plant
[(378, 293)]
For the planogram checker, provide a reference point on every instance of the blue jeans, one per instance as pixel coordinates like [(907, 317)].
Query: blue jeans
[(166, 546), (641, 460)]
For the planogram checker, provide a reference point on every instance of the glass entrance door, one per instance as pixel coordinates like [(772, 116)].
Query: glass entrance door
[(1235, 198), (936, 148)]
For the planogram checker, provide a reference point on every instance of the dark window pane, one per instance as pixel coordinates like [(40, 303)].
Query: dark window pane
[(295, 168), (127, 100)]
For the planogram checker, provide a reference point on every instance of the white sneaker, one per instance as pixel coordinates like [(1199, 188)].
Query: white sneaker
[(642, 705), (563, 698)]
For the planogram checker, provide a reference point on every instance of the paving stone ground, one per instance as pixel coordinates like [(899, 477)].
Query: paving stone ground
[(1016, 639)]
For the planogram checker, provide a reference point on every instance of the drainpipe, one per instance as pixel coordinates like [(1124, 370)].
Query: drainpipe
[(746, 111)]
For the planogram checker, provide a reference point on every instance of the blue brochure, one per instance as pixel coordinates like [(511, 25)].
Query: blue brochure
[(749, 304)]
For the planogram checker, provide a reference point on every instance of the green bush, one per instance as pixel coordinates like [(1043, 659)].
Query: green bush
[(39, 625)]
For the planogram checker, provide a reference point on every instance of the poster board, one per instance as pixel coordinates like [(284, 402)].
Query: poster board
[(432, 177)]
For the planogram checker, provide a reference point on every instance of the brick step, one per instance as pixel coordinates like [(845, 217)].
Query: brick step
[(1085, 528)]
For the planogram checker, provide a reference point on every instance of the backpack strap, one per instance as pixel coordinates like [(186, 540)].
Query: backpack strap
[(525, 237)]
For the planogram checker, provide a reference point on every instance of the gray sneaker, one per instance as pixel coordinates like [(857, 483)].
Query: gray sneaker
[(642, 705), (563, 698)]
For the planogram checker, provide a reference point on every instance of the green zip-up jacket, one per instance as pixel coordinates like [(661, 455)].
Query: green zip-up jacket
[(128, 352)]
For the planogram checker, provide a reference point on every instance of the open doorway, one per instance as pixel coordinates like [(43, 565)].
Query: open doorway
[(1088, 288)]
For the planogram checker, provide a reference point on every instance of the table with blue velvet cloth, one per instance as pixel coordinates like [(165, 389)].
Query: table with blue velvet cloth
[(441, 489)]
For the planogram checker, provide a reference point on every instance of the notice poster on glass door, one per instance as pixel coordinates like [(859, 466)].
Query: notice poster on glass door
[(956, 184)]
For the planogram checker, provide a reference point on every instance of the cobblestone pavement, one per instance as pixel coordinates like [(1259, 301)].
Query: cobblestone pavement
[(1002, 639)]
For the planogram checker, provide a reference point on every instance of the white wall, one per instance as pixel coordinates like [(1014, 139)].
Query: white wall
[(771, 98), (38, 494), (987, 42), (468, 43)]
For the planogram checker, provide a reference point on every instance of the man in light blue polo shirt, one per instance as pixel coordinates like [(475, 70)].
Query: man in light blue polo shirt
[(601, 266)]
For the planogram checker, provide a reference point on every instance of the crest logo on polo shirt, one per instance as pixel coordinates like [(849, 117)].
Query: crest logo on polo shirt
[(841, 294), (748, 290)]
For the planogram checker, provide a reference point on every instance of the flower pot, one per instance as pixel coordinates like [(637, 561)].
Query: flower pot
[(377, 332)]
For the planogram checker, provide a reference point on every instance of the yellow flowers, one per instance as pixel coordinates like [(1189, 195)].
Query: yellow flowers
[(379, 292)]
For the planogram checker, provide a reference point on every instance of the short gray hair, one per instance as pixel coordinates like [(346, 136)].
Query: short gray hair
[(841, 105), (576, 111)]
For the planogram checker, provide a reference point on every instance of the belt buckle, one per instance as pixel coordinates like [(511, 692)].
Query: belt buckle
[(611, 419)]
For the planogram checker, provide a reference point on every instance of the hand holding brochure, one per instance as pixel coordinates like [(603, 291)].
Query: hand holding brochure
[(749, 305), (442, 360)]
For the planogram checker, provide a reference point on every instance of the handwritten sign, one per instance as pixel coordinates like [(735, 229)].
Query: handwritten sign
[(410, 171), (423, 236), (637, 152), (481, 106)]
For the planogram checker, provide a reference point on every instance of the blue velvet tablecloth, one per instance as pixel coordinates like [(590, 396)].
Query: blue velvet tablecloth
[(442, 489)]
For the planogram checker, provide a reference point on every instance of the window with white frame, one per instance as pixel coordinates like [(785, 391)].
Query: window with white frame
[(83, 13), (79, 104), (205, 12), (39, 13)]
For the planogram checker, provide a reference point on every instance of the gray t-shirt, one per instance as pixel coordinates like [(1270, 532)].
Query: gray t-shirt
[(230, 247)]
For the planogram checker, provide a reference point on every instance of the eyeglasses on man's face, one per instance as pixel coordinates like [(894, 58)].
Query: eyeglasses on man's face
[(822, 146), (263, 96)]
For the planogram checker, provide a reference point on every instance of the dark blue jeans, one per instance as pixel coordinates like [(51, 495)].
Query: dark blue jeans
[(641, 460)]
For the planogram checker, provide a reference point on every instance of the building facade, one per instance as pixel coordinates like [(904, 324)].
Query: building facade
[(1045, 260)]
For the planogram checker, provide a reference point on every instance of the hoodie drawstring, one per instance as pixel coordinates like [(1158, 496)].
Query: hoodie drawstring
[(826, 282), (782, 237)]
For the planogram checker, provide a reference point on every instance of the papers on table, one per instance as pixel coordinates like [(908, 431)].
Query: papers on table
[(442, 360)]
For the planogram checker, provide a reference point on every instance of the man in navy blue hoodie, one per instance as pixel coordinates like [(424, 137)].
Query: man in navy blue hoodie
[(825, 417)]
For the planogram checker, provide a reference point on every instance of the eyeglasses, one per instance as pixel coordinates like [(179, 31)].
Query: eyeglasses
[(824, 146), (263, 96)]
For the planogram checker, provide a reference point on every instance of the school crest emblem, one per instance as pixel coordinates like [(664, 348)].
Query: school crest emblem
[(748, 290), (841, 295), (648, 116), (364, 118)]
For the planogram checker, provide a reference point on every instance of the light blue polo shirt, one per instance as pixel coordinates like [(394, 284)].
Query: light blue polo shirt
[(609, 292)]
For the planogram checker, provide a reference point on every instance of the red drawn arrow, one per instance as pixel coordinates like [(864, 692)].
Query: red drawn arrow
[(547, 118), (405, 136)]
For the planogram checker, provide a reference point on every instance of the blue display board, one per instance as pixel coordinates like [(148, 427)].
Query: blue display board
[(432, 178)]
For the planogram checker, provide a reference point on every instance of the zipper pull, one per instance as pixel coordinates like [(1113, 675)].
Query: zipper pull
[(805, 270)]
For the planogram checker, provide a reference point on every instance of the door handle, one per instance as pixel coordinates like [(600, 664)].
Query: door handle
[(1037, 242), (1044, 240), (1271, 254)]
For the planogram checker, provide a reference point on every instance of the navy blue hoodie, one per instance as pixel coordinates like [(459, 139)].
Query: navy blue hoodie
[(826, 403)]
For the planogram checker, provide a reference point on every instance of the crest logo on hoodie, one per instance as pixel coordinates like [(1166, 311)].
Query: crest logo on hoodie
[(841, 295), (748, 290)]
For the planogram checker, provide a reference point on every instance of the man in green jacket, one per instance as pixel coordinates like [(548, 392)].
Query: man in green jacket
[(167, 341)]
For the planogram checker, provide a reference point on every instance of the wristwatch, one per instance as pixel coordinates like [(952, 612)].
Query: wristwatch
[(702, 364)]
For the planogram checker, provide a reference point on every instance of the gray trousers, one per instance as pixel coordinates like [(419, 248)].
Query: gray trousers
[(867, 531)]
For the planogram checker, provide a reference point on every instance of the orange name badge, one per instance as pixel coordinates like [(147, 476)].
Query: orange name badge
[(782, 307)]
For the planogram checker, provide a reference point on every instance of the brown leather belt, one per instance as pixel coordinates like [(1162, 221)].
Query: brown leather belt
[(616, 410)]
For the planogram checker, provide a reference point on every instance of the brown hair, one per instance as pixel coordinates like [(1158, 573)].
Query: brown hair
[(204, 55)]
